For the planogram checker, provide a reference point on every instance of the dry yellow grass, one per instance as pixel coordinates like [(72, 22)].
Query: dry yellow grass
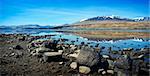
[(116, 25), (110, 34)]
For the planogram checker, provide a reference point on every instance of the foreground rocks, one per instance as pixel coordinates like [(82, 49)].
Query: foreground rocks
[(88, 60), (53, 57)]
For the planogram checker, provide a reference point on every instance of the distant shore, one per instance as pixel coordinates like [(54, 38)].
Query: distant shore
[(108, 35)]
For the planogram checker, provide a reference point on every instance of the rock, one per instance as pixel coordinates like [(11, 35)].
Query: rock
[(5, 55), (18, 47), (16, 55), (125, 56), (19, 52), (45, 58), (21, 38), (111, 64), (100, 70), (12, 54), (60, 51), (87, 57), (10, 48), (145, 49), (52, 53), (110, 71), (103, 72), (41, 50), (84, 69), (105, 56), (140, 56), (121, 63), (60, 63), (33, 52), (29, 50), (73, 47), (128, 49), (73, 65), (40, 60), (75, 54)]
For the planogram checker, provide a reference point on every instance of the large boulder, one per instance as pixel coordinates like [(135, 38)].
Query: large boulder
[(54, 56), (84, 56), (88, 58), (121, 63)]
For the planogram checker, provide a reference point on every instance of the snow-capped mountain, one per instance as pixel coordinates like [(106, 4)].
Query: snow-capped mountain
[(142, 19), (115, 18), (83, 19)]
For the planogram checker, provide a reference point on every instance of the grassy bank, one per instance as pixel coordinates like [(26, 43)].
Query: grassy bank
[(113, 25), (109, 34)]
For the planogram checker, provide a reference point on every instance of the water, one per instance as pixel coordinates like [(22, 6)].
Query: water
[(107, 29), (115, 45), (136, 44)]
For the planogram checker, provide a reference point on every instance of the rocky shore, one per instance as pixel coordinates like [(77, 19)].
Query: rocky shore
[(25, 55)]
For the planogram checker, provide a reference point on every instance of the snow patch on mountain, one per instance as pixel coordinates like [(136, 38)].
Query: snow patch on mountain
[(83, 19)]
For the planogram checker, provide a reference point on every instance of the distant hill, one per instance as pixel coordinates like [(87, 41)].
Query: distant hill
[(114, 22), (34, 26), (30, 26), (5, 27), (100, 19), (116, 18)]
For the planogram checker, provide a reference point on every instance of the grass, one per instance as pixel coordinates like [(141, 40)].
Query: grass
[(110, 34), (114, 25)]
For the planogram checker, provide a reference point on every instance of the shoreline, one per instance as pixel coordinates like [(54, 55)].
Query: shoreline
[(84, 36), (103, 35), (17, 60)]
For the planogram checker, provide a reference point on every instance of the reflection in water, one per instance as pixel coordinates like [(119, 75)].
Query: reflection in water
[(115, 45), (137, 44)]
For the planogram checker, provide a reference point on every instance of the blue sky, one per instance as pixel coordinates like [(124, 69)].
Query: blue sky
[(56, 12)]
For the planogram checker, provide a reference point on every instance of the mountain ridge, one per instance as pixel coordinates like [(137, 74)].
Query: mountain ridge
[(115, 18)]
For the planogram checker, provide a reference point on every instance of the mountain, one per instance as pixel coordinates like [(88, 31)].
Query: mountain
[(112, 22), (34, 26), (142, 19), (5, 27), (115, 18), (108, 18), (29, 26)]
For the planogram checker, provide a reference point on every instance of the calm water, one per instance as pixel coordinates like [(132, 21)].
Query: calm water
[(116, 45)]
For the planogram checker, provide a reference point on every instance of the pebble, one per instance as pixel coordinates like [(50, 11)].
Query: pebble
[(103, 72), (100, 70), (60, 63), (110, 71), (12, 54), (84, 69), (73, 65)]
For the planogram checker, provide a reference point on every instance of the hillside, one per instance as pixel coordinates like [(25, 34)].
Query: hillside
[(111, 28), (112, 25), (113, 22)]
